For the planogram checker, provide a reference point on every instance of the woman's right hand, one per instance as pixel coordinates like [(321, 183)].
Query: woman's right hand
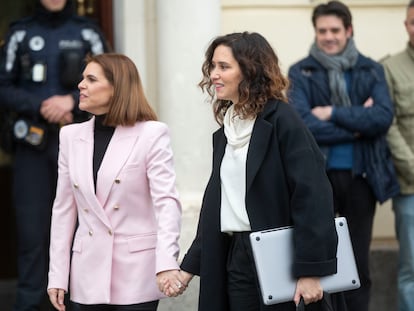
[(56, 297), (309, 288)]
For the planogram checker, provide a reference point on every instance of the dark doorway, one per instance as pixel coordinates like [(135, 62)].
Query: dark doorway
[(101, 12), (98, 10), (10, 10)]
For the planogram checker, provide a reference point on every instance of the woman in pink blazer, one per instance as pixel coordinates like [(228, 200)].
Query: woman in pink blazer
[(116, 216)]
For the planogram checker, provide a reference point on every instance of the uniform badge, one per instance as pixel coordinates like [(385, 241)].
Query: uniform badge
[(36, 43), (39, 72)]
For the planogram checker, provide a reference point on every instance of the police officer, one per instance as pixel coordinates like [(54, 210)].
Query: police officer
[(40, 66)]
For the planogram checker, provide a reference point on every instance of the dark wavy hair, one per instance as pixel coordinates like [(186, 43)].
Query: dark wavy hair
[(262, 78)]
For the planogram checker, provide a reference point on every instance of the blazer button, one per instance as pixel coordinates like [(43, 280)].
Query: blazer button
[(116, 207), (90, 232), (86, 210), (110, 232), (117, 181), (76, 186)]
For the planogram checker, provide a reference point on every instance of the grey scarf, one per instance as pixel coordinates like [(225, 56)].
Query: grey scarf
[(336, 65)]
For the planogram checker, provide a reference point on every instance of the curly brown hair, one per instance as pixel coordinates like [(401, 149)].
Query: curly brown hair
[(262, 78)]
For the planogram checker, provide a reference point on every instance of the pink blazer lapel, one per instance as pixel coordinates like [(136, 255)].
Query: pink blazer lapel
[(116, 155), (82, 169)]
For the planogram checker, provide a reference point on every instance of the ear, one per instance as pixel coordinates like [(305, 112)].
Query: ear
[(349, 32)]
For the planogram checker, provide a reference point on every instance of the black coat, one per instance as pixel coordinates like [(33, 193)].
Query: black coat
[(286, 184)]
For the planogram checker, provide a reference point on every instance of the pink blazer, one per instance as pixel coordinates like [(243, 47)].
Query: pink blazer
[(128, 231)]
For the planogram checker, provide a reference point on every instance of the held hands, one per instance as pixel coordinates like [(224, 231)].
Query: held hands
[(173, 282), (309, 288), (56, 296)]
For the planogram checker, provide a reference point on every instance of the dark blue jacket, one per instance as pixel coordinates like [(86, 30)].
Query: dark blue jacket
[(364, 127), (53, 51)]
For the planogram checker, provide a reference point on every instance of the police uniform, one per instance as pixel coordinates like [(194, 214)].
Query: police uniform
[(43, 56)]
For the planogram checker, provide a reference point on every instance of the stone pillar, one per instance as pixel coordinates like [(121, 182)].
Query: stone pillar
[(184, 30), (130, 33)]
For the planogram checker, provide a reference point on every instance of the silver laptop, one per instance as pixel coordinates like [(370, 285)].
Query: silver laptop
[(273, 255)]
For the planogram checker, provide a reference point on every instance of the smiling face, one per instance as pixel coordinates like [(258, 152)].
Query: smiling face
[(225, 74), (95, 90), (53, 5), (331, 34)]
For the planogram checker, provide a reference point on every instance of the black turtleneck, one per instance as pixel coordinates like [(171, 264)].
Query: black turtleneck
[(102, 136), (54, 19)]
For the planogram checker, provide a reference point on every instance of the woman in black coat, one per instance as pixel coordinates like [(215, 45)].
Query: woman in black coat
[(267, 172)]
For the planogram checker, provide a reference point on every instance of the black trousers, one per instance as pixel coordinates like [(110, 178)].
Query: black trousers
[(146, 306), (354, 199), (243, 288)]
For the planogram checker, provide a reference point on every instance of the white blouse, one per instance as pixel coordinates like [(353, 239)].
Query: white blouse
[(233, 173)]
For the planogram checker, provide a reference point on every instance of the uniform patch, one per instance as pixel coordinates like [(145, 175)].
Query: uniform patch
[(70, 44), (36, 43)]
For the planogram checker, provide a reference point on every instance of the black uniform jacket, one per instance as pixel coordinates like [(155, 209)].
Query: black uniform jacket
[(286, 184)]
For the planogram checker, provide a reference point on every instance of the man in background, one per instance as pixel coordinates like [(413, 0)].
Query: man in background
[(343, 98), (40, 66), (399, 72)]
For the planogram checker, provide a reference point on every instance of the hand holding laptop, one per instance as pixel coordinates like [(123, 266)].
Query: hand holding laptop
[(326, 303), (273, 256), (308, 288)]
